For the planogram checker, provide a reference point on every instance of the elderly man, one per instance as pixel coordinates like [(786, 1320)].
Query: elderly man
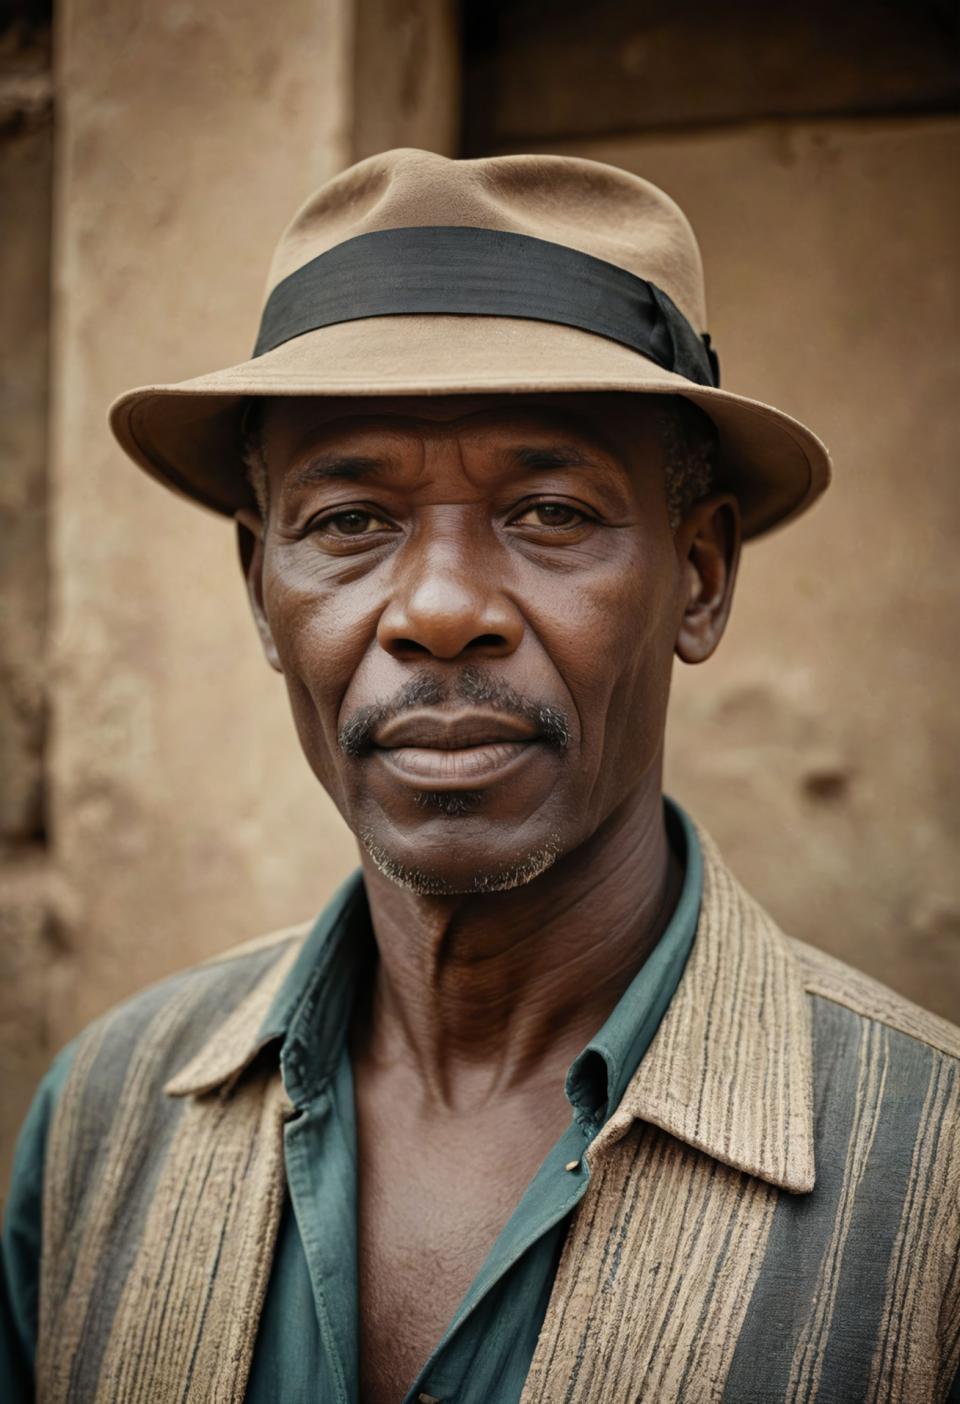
[(543, 1106)]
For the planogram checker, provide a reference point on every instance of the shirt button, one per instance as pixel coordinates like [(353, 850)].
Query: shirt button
[(572, 1165), (424, 1398)]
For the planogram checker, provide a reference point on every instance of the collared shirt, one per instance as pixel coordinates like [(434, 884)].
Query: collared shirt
[(307, 1343)]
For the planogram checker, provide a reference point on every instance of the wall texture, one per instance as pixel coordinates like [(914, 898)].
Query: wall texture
[(27, 945), (155, 804), (185, 142)]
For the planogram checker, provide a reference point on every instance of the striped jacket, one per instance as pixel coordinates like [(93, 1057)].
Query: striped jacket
[(773, 1210)]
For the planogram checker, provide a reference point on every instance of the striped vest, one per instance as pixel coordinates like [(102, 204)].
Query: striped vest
[(773, 1211)]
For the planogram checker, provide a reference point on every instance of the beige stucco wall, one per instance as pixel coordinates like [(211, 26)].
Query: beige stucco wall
[(185, 142), (817, 746), (26, 946)]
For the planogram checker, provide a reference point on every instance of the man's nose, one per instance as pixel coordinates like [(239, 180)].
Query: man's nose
[(448, 601)]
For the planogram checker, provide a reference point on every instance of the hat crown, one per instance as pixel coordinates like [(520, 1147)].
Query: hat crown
[(586, 205)]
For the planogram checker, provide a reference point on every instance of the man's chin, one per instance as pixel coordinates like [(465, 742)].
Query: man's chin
[(445, 877)]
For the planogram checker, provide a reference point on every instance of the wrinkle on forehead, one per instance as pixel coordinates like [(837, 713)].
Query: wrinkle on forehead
[(349, 428)]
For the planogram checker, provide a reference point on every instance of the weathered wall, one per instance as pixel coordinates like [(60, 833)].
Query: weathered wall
[(184, 816), (26, 152), (186, 138), (820, 744)]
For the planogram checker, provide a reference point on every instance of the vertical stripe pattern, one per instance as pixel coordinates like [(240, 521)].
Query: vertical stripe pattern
[(923, 1265), (85, 1295), (186, 1324), (654, 1280), (108, 1162), (819, 1300), (870, 1070), (729, 1070)]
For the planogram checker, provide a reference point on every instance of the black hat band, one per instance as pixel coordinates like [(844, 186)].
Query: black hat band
[(462, 271)]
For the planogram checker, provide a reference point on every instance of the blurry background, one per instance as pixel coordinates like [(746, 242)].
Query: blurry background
[(154, 806)]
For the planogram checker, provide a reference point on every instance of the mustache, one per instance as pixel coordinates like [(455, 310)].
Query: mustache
[(477, 685)]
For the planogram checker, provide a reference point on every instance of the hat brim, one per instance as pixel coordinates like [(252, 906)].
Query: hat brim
[(188, 434)]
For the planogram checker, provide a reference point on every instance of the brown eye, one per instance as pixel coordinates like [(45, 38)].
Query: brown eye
[(355, 522), (551, 514)]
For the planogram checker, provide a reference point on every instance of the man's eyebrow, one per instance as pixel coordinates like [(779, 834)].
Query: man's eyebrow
[(349, 468), (547, 456), (552, 456), (352, 468)]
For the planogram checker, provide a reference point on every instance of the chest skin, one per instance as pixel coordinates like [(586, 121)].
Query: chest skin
[(434, 1191)]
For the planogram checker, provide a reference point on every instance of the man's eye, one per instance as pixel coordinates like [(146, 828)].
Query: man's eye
[(355, 522), (550, 514)]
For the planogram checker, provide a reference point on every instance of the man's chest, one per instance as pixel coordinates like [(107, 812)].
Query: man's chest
[(432, 1199), (418, 1254)]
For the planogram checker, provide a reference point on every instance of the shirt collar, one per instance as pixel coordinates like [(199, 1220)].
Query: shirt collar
[(298, 1005), (729, 1069)]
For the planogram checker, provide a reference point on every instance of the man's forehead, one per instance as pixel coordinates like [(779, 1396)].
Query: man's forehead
[(291, 425)]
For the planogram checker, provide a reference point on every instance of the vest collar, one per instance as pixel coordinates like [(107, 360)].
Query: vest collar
[(730, 1070), (244, 1034)]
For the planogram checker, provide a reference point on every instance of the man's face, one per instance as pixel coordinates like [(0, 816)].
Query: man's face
[(475, 604)]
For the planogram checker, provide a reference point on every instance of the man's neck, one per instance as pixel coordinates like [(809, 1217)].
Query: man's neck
[(481, 995)]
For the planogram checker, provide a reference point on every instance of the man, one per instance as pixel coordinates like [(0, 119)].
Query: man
[(542, 1106)]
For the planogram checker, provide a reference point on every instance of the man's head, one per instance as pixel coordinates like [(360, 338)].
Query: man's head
[(475, 603), (475, 589)]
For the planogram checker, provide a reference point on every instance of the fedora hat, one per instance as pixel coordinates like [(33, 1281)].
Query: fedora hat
[(413, 274)]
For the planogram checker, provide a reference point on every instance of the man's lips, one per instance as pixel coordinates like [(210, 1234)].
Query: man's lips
[(451, 731), (456, 750)]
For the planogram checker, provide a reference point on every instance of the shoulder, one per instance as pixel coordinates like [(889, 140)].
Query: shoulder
[(123, 1059), (273, 941), (220, 977), (112, 1105), (167, 1022), (886, 1092), (829, 980), (201, 995)]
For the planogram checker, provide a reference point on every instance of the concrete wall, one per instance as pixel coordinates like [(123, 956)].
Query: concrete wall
[(185, 141), (26, 934)]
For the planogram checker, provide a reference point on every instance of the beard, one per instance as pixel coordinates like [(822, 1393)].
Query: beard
[(502, 878)]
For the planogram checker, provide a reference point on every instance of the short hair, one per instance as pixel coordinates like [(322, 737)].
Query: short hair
[(691, 454), (251, 454), (689, 439)]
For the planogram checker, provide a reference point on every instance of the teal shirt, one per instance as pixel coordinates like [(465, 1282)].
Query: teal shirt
[(306, 1348)]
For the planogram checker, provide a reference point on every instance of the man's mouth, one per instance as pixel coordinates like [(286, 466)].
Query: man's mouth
[(454, 750)]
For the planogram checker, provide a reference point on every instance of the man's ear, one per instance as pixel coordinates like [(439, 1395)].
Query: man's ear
[(708, 544), (250, 546)]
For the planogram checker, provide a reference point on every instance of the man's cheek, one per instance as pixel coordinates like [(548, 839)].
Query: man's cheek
[(313, 686), (318, 650), (608, 656)]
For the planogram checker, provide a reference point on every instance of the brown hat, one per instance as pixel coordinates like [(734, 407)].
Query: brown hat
[(412, 274)]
